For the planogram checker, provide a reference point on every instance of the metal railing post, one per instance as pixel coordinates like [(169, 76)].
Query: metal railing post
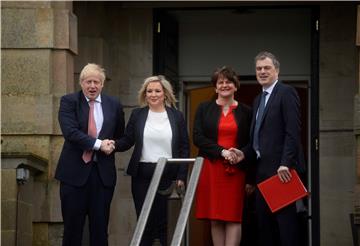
[(186, 206), (149, 199), (188, 199)]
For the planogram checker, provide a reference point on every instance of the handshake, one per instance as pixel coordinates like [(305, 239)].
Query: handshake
[(107, 146), (233, 155)]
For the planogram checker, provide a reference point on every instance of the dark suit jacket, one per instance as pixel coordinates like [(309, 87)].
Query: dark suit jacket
[(205, 133), (73, 119), (279, 134), (134, 136), (206, 128)]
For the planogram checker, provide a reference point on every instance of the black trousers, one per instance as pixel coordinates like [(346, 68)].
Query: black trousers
[(279, 228), (92, 200), (156, 226)]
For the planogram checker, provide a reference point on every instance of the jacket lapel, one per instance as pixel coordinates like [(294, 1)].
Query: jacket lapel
[(141, 122), (255, 109), (270, 101), (105, 109), (83, 112), (239, 116), (172, 121)]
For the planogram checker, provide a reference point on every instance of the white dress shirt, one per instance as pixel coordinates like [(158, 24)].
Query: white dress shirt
[(99, 120), (157, 137)]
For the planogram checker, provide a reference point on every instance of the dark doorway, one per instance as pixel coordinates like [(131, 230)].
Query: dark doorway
[(166, 47)]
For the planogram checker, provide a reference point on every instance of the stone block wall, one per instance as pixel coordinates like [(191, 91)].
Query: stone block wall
[(38, 42), (356, 225), (17, 196), (337, 88), (8, 203)]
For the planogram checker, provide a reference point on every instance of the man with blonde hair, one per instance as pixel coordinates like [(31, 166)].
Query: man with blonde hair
[(86, 170)]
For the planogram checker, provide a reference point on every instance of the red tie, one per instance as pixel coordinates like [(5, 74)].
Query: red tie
[(91, 132)]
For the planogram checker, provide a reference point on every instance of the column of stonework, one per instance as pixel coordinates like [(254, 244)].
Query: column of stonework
[(356, 222), (38, 45)]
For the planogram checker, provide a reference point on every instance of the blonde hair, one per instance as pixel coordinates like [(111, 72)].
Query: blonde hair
[(170, 99), (92, 69)]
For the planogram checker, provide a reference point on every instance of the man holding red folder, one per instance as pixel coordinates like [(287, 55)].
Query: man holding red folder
[(275, 145)]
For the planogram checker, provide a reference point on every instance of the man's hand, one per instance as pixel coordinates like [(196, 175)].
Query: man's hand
[(107, 146), (249, 189), (284, 174)]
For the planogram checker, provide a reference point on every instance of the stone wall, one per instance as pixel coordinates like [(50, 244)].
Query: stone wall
[(38, 41), (356, 222), (337, 88)]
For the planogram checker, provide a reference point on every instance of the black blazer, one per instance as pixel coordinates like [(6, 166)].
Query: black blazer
[(73, 119), (206, 124), (134, 136), (279, 134)]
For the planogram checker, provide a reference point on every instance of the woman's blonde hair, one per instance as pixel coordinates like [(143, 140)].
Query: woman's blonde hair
[(169, 99), (92, 69)]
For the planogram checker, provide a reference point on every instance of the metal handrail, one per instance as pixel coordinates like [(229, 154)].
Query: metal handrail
[(188, 199), (150, 196)]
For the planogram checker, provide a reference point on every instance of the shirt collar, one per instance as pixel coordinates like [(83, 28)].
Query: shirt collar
[(270, 88), (98, 99)]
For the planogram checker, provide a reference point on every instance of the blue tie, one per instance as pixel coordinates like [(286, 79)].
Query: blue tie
[(258, 121)]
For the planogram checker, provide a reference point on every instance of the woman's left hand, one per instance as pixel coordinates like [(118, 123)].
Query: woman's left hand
[(229, 156), (180, 187), (180, 183)]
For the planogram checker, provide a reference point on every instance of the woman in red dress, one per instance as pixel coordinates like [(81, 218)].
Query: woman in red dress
[(220, 125)]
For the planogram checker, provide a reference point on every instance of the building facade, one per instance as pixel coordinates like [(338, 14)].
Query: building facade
[(44, 46)]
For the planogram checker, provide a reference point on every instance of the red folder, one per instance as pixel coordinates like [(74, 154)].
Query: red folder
[(278, 195)]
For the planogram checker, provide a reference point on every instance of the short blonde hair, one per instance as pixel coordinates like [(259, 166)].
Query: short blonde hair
[(92, 69), (170, 99)]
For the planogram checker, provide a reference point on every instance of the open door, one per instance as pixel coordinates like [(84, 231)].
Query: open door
[(199, 231)]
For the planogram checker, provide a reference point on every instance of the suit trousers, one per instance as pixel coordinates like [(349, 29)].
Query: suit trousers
[(279, 228), (92, 200), (156, 226)]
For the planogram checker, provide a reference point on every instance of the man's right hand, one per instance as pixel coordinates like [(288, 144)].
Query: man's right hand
[(284, 174), (107, 146)]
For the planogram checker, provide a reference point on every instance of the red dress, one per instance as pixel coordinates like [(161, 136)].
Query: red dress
[(221, 187)]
